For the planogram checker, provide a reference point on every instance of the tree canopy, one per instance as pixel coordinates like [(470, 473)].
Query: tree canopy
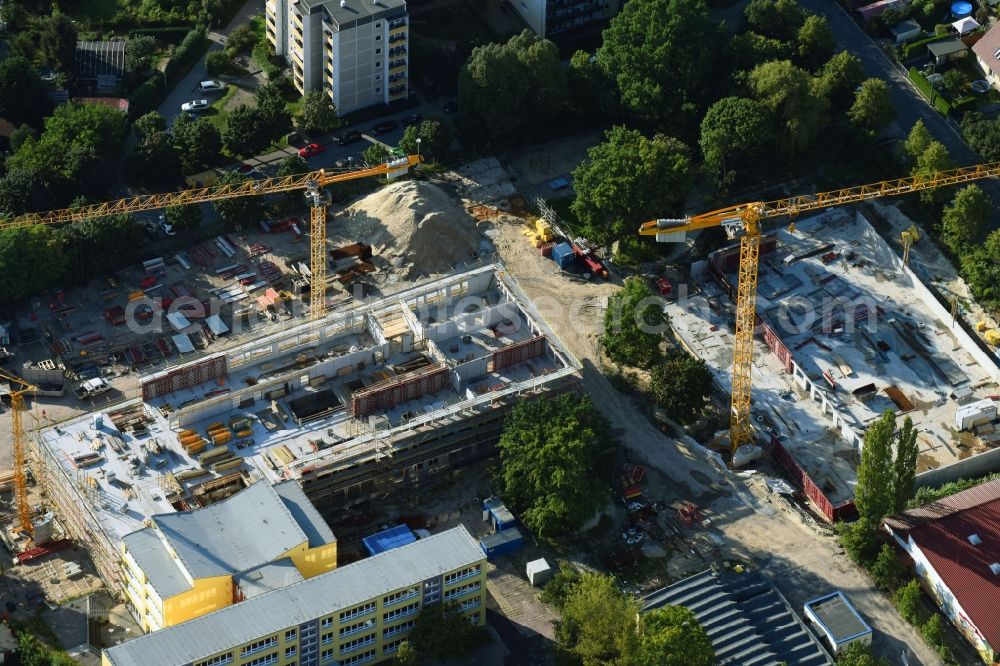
[(794, 100), (627, 180), (598, 624), (442, 631), (873, 109), (934, 158), (435, 138), (549, 452), (23, 97), (734, 131), (918, 141), (814, 42), (839, 78), (661, 54), (239, 210), (634, 324), (672, 636), (779, 19), (318, 113), (198, 142), (507, 89), (139, 53), (681, 384), (983, 135), (963, 223), (981, 269)]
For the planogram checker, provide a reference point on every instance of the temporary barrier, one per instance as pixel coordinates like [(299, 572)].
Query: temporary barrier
[(518, 352), (388, 394), (167, 382)]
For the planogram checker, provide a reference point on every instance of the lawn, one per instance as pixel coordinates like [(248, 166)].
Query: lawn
[(217, 116)]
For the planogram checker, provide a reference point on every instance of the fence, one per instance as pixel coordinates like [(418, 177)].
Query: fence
[(801, 478)]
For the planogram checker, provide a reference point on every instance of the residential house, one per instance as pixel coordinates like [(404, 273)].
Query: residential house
[(987, 52)]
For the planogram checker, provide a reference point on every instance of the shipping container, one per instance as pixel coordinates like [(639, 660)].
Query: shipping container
[(563, 255), (502, 543)]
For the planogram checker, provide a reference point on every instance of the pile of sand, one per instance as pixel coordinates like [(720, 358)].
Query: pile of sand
[(417, 226)]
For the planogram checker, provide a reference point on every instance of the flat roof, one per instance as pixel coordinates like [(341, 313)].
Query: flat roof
[(356, 11), (745, 617), (947, 47), (837, 617), (301, 602), (267, 578)]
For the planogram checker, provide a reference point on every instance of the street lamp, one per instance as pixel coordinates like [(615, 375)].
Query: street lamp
[(418, 146)]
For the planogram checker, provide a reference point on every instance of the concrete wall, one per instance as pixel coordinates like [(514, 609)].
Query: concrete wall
[(973, 466)]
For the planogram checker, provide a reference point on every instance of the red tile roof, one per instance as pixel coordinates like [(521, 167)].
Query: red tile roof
[(988, 47), (941, 530)]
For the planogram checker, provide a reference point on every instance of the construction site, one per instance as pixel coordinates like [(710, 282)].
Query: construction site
[(382, 392), (845, 331)]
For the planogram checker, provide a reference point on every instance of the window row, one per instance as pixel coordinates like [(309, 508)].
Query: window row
[(253, 648)]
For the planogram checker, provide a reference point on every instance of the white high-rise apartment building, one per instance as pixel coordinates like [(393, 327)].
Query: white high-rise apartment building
[(353, 50)]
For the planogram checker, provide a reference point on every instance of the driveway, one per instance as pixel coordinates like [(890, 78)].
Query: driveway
[(187, 88), (910, 104)]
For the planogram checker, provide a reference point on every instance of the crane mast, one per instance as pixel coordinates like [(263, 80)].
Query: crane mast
[(18, 389), (743, 222)]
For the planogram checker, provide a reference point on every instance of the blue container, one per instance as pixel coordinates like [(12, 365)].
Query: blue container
[(502, 543), (563, 255), (961, 9)]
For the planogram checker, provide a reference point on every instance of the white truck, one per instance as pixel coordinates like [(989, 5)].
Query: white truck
[(91, 388)]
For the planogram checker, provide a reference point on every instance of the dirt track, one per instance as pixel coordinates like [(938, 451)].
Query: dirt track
[(802, 562)]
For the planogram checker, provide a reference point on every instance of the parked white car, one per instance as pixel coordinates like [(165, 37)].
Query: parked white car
[(195, 106), (211, 86)]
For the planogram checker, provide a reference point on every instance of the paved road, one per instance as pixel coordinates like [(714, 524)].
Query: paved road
[(187, 88), (910, 104)]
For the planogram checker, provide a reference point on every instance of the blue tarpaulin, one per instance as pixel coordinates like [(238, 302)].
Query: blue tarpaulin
[(394, 537)]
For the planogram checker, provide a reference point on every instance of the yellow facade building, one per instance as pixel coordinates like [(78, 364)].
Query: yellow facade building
[(190, 563), (359, 613)]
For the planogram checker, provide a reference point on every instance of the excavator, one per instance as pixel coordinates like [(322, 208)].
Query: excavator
[(744, 222)]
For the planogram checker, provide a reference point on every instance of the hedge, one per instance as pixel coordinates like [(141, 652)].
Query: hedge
[(921, 43), (923, 85), (152, 92), (171, 35)]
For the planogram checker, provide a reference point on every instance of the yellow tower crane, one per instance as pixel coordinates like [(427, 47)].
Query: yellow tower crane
[(17, 390), (743, 221), (313, 184)]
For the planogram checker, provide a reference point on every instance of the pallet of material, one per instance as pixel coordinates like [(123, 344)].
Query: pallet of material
[(213, 453), (190, 474), (283, 454), (221, 437), (228, 465), (87, 460)]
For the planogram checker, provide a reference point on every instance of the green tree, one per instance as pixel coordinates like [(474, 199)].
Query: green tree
[(873, 493), (22, 134), (887, 570), (873, 109), (598, 624), (435, 137), (375, 154), (672, 636), (918, 141), (633, 325), (139, 52), (860, 654), (662, 56), (241, 38), (31, 260), (979, 267), (748, 49), (149, 123), (734, 132), (797, 105), (904, 466), (15, 16), (274, 120), (57, 42), (23, 97), (839, 78), (681, 385), (815, 43), (561, 585), (780, 19), (963, 224), (628, 179), (954, 80), (101, 245), (406, 655), (156, 160), (319, 115), (548, 451), (183, 218), (218, 62), (933, 632), (589, 89), (198, 142), (292, 165), (243, 132), (909, 601), (442, 631), (239, 210), (983, 135), (506, 89), (934, 158)]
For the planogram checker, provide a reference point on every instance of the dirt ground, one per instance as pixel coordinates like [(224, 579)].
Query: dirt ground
[(802, 560)]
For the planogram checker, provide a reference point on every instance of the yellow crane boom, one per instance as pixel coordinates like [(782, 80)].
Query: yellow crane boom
[(742, 221), (17, 390), (312, 183)]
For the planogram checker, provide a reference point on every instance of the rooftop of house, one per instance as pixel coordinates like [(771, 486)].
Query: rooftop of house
[(960, 537), (988, 48)]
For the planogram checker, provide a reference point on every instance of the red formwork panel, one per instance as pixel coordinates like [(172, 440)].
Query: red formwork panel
[(777, 346), (184, 377), (411, 386), (518, 352)]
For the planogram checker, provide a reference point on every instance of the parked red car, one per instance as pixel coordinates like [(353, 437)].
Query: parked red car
[(312, 149)]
